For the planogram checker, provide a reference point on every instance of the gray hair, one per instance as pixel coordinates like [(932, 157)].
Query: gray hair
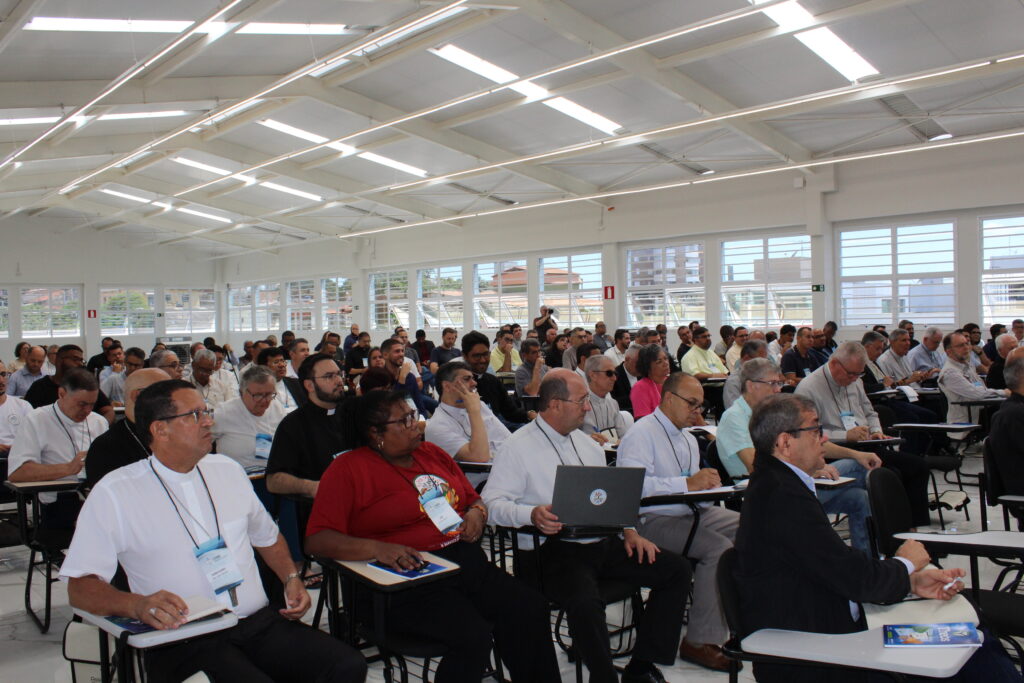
[(753, 348), (205, 354), (553, 387), (897, 335), (632, 351), (775, 416), (593, 363), (872, 337), (851, 350), (1013, 373), (256, 374), (756, 369), (157, 359), (932, 331), (1005, 338)]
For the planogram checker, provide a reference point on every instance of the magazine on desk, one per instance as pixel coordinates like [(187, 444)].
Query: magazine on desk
[(959, 634), (426, 569), (199, 609)]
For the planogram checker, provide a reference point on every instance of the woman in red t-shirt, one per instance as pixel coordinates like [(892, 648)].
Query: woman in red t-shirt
[(653, 368), (370, 506)]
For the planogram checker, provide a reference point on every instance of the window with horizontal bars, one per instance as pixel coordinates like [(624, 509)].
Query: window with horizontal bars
[(240, 309), (894, 272), (187, 309), (300, 305), (51, 312), (336, 304), (665, 285), (125, 310), (389, 299), (1002, 270), (267, 306), (499, 294), (571, 285), (439, 303), (766, 282)]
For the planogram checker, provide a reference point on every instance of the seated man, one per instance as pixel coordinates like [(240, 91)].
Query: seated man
[(297, 353), (476, 351), (289, 391), (244, 427), (519, 492), (799, 361), (995, 379), (700, 361), (979, 361), (685, 342), (213, 391), (53, 441), (583, 352), (895, 364), (604, 414), (113, 385), (309, 437), (440, 355), (739, 338), (168, 361), (122, 444), (45, 391), (847, 414), (927, 357), (900, 409), (13, 411), (504, 357), (753, 348), (990, 345), (173, 508), (782, 344), (793, 571), (26, 376), (1007, 426), (463, 426), (401, 370), (115, 361), (678, 470), (357, 358), (625, 378), (533, 369), (761, 380), (959, 381), (617, 351)]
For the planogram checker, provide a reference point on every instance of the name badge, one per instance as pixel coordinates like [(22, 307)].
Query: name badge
[(684, 473), (440, 511), (849, 420), (219, 567), (263, 442)]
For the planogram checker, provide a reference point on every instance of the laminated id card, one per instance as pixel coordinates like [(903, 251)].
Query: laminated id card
[(849, 420), (218, 565), (263, 442), (440, 511)]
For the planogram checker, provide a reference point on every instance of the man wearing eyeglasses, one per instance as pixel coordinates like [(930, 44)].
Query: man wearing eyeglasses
[(519, 493), (12, 412), (187, 524), (847, 415), (309, 438), (244, 427), (114, 383), (761, 379), (754, 348), (168, 361), (700, 361), (663, 446), (476, 351), (45, 391), (604, 419), (739, 338)]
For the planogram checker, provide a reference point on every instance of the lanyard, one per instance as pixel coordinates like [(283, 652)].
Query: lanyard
[(174, 504), (689, 451), (74, 445), (835, 395), (135, 436), (555, 449)]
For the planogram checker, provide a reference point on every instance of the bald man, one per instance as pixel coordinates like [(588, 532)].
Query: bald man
[(121, 445)]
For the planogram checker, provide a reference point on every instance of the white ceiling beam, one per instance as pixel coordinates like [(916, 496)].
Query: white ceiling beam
[(580, 28), (206, 91), (16, 20), (353, 102), (245, 118)]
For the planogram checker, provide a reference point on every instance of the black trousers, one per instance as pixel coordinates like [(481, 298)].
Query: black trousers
[(263, 648), (571, 572), (914, 472), (463, 612)]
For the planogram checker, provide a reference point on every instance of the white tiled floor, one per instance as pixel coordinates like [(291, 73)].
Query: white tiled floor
[(27, 655)]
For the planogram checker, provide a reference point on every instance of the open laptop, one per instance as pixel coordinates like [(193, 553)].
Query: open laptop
[(595, 497)]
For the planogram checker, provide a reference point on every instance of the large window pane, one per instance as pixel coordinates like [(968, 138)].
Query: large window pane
[(191, 310), (572, 286), (440, 297), (240, 318), (127, 311), (1002, 262), (335, 304), (653, 279), (499, 294), (301, 303), (51, 312), (773, 276), (267, 306), (389, 299)]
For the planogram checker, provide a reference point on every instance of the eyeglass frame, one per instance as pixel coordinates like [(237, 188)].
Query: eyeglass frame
[(408, 420), (579, 403), (196, 414), (694, 404), (775, 383), (816, 428), (268, 396)]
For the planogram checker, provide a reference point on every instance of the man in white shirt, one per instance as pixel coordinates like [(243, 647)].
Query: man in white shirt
[(244, 427), (700, 361), (115, 361), (960, 382), (209, 387), (927, 356), (519, 492), (50, 366), (733, 354), (12, 413), (604, 414), (273, 359), (195, 506), (677, 469), (617, 352), (52, 443), (296, 354), (779, 346), (894, 362), (168, 361), (113, 384), (26, 376), (225, 372)]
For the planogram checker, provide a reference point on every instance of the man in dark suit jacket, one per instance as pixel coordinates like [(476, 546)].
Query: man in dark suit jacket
[(1004, 436), (476, 351), (623, 383), (1004, 344), (793, 570)]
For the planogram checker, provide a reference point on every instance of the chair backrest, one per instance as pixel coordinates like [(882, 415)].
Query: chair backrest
[(728, 593), (711, 455), (890, 508), (994, 486)]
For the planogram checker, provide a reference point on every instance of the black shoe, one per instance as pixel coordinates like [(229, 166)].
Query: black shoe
[(649, 675)]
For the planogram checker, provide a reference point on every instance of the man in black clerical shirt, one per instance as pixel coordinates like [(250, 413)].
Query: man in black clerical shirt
[(476, 350), (44, 391), (121, 444), (309, 437), (100, 361)]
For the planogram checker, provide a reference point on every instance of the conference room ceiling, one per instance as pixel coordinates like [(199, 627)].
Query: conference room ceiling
[(250, 126)]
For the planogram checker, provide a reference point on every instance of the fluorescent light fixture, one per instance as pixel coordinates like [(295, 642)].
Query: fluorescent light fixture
[(200, 165), (495, 73), (125, 195), (201, 214), (790, 16), (143, 115), (398, 165), (840, 56), (157, 26), (163, 205), (29, 121), (79, 120), (345, 149), (281, 29), (292, 191), (940, 136)]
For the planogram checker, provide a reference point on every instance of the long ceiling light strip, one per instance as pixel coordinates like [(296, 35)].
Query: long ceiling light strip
[(131, 73), (229, 109), (574, 64)]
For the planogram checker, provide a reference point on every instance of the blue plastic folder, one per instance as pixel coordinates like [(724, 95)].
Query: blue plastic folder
[(960, 634)]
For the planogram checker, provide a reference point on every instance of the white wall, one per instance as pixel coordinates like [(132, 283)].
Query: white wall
[(45, 251)]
